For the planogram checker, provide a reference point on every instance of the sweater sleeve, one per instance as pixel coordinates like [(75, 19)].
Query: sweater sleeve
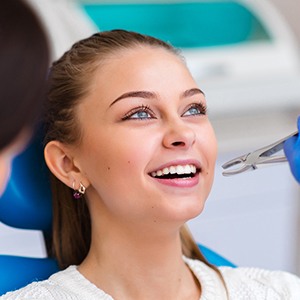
[(263, 283)]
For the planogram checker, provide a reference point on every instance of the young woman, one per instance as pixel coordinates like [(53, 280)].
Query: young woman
[(24, 62), (133, 153)]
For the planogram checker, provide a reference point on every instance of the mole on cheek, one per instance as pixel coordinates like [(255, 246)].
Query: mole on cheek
[(108, 168), (128, 161)]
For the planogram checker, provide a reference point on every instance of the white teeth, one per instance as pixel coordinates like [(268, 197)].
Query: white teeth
[(172, 170), (165, 171), (187, 169), (180, 169), (194, 169), (159, 173)]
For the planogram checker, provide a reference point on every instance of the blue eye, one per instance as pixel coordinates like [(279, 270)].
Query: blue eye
[(195, 109), (139, 113)]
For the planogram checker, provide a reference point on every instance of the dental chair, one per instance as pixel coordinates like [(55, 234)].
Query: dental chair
[(26, 204)]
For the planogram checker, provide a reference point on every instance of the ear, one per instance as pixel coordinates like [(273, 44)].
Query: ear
[(60, 161)]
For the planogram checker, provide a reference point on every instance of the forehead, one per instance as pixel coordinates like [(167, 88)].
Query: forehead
[(148, 69), (138, 65), (138, 55)]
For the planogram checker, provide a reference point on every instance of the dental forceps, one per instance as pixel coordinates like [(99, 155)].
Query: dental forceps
[(250, 160)]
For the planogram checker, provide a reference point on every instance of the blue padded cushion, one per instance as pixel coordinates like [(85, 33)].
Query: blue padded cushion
[(214, 258), (26, 202)]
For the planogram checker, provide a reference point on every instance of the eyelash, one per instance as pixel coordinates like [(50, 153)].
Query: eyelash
[(145, 108), (200, 106), (142, 108)]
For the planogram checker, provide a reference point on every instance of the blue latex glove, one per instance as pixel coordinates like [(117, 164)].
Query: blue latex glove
[(292, 152)]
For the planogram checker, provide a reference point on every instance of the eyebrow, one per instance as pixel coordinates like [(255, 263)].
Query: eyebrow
[(135, 94), (192, 92), (151, 95)]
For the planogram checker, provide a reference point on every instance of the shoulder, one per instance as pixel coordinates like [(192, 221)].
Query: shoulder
[(52, 288), (248, 283), (68, 284), (36, 290), (271, 284)]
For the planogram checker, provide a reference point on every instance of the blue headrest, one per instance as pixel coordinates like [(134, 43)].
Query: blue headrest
[(214, 258), (26, 202)]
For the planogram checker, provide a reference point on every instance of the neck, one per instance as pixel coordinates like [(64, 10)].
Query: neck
[(139, 265)]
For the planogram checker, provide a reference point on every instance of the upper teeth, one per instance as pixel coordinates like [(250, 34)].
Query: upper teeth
[(186, 169)]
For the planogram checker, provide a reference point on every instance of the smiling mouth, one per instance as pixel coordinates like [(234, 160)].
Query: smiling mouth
[(175, 172)]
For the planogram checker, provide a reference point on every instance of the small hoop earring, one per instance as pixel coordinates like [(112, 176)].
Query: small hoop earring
[(77, 194)]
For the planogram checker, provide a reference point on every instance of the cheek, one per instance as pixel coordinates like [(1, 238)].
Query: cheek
[(118, 168), (6, 158), (127, 169), (117, 159), (209, 143), (212, 157), (208, 146), (213, 149), (5, 170)]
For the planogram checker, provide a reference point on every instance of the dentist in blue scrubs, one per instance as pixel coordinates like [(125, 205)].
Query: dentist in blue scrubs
[(292, 152)]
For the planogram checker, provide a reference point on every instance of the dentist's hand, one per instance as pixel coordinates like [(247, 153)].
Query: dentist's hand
[(292, 152)]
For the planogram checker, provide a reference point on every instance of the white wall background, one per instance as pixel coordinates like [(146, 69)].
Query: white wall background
[(290, 11)]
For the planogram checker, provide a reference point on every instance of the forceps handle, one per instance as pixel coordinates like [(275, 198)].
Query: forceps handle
[(273, 159), (277, 146)]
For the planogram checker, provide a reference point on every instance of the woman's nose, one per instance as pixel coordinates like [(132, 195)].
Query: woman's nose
[(179, 135)]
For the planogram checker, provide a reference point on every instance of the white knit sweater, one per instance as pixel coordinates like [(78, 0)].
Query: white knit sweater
[(242, 284)]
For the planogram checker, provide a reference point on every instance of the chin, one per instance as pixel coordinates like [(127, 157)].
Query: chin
[(187, 211), (195, 212)]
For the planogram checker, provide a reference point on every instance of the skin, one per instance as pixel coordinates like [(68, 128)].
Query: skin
[(121, 145), (8, 154), (5, 169)]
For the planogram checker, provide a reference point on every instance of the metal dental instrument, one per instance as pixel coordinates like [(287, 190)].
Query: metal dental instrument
[(250, 160)]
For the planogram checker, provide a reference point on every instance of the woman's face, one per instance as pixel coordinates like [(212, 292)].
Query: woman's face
[(148, 149)]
